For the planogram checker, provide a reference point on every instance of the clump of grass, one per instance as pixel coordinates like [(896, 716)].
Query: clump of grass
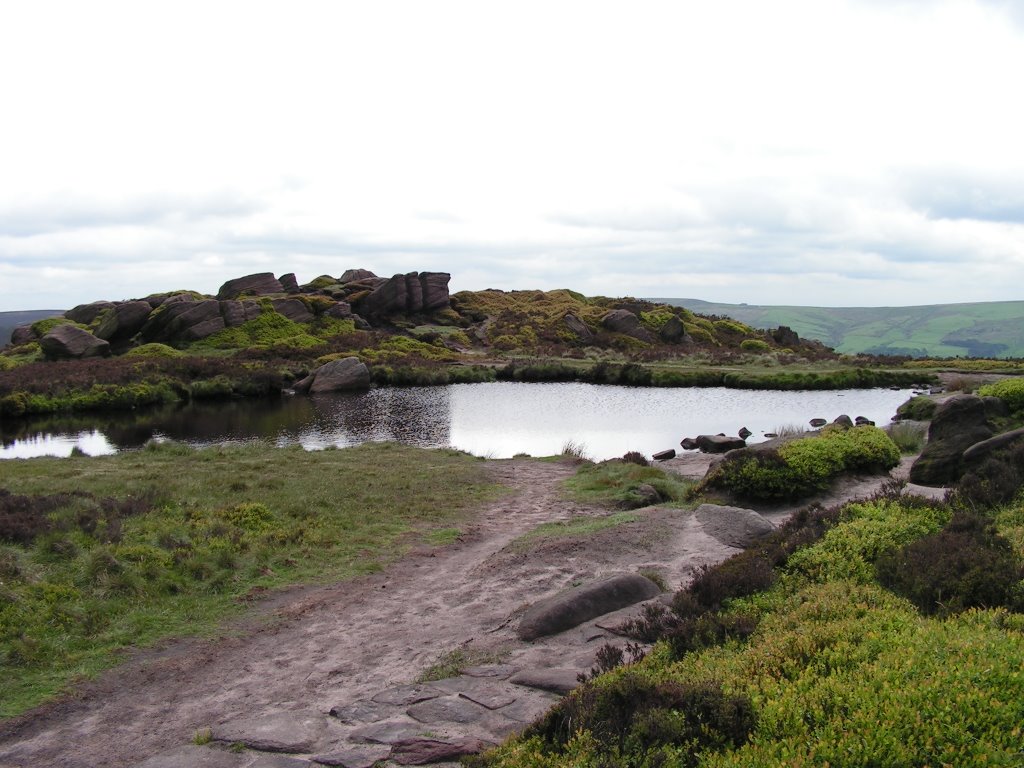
[(575, 527), (453, 663), (789, 430), (575, 450), (623, 484), (909, 438)]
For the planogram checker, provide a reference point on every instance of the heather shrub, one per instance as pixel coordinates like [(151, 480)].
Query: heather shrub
[(995, 481), (965, 565)]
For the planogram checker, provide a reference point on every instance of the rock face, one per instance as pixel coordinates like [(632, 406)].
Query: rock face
[(672, 331), (719, 443), (959, 423), (289, 283), (124, 320), (69, 342), (625, 322), (413, 292), (294, 309), (733, 526), (186, 320), (260, 284), (574, 606), (578, 328), (86, 313), (336, 376), (785, 336)]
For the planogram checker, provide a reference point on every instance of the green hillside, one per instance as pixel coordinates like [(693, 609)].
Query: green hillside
[(983, 329)]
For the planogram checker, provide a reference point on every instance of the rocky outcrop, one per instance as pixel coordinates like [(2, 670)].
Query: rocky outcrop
[(672, 331), (69, 342), (342, 375), (260, 284), (785, 336), (184, 319), (354, 275), (625, 322), (574, 606), (413, 292), (123, 320), (236, 313), (294, 309), (86, 313), (578, 328), (289, 283), (959, 422)]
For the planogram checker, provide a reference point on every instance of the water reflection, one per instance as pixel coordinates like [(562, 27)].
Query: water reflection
[(499, 419)]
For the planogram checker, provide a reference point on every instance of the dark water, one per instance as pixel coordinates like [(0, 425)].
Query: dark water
[(498, 420)]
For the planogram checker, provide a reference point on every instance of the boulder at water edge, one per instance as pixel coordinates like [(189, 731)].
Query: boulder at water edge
[(336, 376)]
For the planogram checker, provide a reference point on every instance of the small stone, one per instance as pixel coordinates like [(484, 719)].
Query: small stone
[(818, 423)]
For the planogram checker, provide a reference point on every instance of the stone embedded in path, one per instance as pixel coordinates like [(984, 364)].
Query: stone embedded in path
[(491, 694), (284, 732), (426, 751), (194, 757), (574, 606), (404, 695), (734, 526), (360, 712), (365, 756), (279, 761), (450, 709), (387, 732), (554, 679)]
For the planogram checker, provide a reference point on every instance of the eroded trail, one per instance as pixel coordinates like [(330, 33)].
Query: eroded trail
[(321, 647)]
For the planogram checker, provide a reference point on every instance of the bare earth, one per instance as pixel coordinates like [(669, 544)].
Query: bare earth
[(310, 650)]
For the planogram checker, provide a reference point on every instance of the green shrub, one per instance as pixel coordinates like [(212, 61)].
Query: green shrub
[(919, 408), (755, 345), (1010, 391), (155, 350), (802, 467), (732, 326)]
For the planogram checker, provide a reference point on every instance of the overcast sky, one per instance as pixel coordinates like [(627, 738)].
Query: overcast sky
[(823, 152)]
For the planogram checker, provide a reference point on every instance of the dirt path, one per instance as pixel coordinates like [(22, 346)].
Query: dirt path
[(338, 646)]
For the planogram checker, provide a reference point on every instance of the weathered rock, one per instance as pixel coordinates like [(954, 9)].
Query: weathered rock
[(719, 443), (23, 334), (387, 732), (363, 756), (341, 310), (86, 313), (644, 495), (958, 423), (449, 709), (352, 275), (672, 331), (123, 320), (340, 376), (435, 290), (843, 421), (260, 284), (555, 679), (412, 292), (184, 320), (980, 451), (498, 671), (733, 526), (861, 421), (294, 309), (360, 712), (404, 695), (426, 751), (279, 761), (295, 732), (235, 312), (192, 756), (289, 283), (625, 322), (785, 336), (574, 606), (69, 342), (744, 433), (688, 444), (816, 423), (578, 328), (664, 455)]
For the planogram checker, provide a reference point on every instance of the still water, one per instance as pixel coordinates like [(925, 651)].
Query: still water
[(497, 420)]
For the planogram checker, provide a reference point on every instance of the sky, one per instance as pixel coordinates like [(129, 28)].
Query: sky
[(810, 152)]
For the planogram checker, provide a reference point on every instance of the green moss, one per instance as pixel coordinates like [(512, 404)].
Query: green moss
[(269, 329), (395, 349), (155, 350), (42, 327)]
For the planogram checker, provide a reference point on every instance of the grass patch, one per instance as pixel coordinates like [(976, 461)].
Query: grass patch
[(452, 663), (909, 438), (443, 536), (98, 575), (573, 528), (618, 483)]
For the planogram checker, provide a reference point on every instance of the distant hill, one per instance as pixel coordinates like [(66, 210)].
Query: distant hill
[(11, 320), (984, 329)]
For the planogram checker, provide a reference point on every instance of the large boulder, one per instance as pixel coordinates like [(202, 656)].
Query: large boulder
[(672, 331), (289, 283), (435, 290), (184, 320), (352, 275), (959, 422), (236, 312), (86, 313), (981, 451), (69, 342), (260, 284), (294, 309), (23, 334), (574, 606), (732, 526), (625, 322), (785, 336), (124, 320), (719, 443), (336, 376), (412, 292), (578, 328)]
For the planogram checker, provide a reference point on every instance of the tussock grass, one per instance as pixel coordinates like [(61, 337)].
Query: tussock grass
[(226, 524)]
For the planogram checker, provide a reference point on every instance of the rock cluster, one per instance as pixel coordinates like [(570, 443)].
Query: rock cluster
[(960, 423)]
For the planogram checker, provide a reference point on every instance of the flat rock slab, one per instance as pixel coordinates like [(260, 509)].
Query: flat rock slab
[(192, 756), (492, 694), (404, 695), (387, 732), (733, 526), (361, 712), (426, 751), (499, 671), (490, 699), (355, 757), (529, 708), (285, 732), (279, 761), (574, 606), (450, 709), (554, 679)]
